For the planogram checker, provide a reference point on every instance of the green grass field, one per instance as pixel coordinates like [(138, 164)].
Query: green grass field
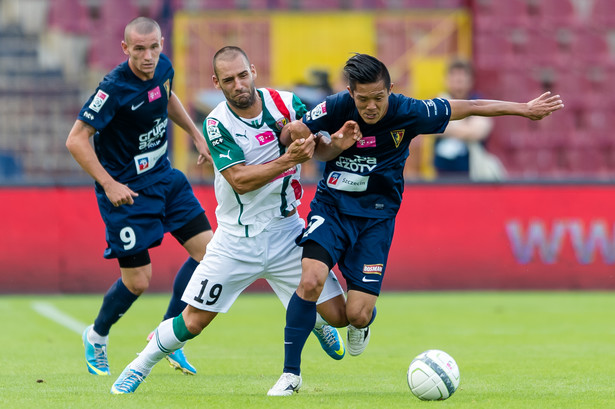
[(514, 350)]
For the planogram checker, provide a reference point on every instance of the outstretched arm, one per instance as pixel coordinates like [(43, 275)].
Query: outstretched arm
[(535, 109)]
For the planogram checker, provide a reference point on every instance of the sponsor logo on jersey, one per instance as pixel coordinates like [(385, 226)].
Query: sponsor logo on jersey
[(88, 116), (265, 138), (288, 172), (347, 182), (357, 163), (213, 132), (367, 142), (147, 160), (154, 137), (135, 107), (142, 165), (154, 94), (373, 269), (99, 100), (318, 111), (398, 135)]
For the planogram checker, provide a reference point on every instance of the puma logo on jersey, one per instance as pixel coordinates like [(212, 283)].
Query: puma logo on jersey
[(228, 155)]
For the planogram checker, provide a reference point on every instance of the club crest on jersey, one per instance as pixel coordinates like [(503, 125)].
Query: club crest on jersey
[(280, 123), (167, 88), (213, 132), (99, 100), (398, 135)]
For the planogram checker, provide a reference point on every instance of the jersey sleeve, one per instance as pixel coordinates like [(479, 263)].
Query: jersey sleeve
[(224, 150), (299, 107), (320, 118), (100, 108), (430, 115)]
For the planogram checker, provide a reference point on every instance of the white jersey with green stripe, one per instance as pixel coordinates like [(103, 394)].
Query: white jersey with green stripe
[(233, 140)]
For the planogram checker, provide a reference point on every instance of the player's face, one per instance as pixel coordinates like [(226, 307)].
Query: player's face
[(235, 77), (371, 100), (143, 51)]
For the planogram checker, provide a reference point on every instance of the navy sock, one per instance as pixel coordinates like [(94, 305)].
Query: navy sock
[(300, 320), (176, 305), (116, 302), (373, 317)]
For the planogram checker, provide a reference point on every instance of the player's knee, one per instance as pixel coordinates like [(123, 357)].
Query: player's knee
[(310, 287), (137, 287), (359, 317)]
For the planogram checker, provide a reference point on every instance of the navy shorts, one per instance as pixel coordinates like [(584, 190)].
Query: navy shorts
[(162, 207), (359, 245)]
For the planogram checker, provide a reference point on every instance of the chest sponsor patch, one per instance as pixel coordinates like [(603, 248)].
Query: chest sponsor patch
[(265, 137), (347, 182), (154, 94), (146, 161), (99, 100), (367, 142)]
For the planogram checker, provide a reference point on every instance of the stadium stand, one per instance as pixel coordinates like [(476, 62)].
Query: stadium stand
[(53, 51)]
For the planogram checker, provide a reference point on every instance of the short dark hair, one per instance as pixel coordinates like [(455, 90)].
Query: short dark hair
[(461, 64), (142, 25), (228, 51), (365, 69)]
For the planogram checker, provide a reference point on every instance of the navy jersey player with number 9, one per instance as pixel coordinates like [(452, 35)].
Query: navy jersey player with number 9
[(352, 215), (140, 196)]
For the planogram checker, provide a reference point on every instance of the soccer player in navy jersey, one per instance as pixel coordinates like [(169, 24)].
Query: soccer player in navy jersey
[(140, 196), (352, 215)]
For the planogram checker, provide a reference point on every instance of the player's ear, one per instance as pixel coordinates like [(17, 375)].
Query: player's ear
[(349, 90), (125, 47), (215, 81), (161, 43), (391, 87), (253, 71)]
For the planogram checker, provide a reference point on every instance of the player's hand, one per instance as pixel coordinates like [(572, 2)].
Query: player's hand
[(302, 149), (543, 106), (119, 194), (204, 154), (347, 135)]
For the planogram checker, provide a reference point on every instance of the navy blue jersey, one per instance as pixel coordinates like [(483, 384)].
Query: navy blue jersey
[(130, 117), (367, 179)]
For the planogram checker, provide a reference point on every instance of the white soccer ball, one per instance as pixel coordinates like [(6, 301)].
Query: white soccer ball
[(433, 375)]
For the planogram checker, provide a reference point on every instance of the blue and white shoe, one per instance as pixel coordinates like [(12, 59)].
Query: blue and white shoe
[(330, 341), (95, 356), (286, 385), (128, 382), (178, 360)]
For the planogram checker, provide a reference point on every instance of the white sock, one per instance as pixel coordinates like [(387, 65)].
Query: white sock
[(162, 343), (95, 338)]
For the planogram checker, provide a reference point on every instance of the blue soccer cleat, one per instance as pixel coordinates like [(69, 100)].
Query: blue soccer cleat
[(178, 360), (330, 341), (95, 356), (128, 382)]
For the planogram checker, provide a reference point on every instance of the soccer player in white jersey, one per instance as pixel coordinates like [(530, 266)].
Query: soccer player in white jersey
[(258, 190)]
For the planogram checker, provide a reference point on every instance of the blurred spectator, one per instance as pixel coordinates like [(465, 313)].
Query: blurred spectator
[(459, 152)]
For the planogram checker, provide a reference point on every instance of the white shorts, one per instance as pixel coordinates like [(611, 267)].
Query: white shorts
[(232, 263)]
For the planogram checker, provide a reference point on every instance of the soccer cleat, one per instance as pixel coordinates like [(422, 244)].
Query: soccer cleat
[(95, 356), (286, 385), (128, 382), (357, 340), (178, 360), (330, 341)]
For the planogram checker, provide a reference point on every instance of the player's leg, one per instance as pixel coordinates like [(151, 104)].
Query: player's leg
[(186, 220), (361, 312), (118, 299), (363, 266), (170, 336)]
